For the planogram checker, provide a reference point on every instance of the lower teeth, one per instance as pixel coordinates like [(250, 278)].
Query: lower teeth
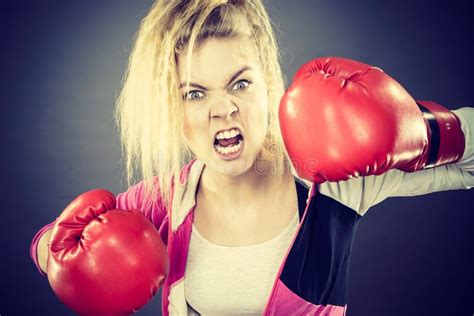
[(228, 150)]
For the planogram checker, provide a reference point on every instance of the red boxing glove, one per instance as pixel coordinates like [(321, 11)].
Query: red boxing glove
[(104, 261), (341, 119)]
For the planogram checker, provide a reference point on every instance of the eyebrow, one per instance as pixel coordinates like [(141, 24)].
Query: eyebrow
[(234, 76)]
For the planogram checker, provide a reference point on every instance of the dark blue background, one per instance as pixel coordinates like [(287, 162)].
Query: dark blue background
[(62, 63)]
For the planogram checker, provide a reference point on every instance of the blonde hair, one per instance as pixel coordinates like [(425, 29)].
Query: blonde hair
[(149, 112)]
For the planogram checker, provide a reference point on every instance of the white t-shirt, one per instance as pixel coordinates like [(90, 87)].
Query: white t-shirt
[(224, 280)]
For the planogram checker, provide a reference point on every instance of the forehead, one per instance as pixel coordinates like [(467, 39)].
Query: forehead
[(218, 57)]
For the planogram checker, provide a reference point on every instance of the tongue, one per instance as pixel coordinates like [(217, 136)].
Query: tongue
[(228, 142)]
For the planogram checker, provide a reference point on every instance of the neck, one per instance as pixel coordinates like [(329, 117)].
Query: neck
[(240, 191)]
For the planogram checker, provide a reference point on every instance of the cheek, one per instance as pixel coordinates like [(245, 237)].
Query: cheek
[(257, 116), (194, 125), (261, 110), (187, 126)]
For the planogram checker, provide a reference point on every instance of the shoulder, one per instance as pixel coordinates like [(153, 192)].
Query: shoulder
[(145, 196)]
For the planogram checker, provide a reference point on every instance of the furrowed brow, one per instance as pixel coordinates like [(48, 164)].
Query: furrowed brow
[(238, 73), (192, 85), (232, 78)]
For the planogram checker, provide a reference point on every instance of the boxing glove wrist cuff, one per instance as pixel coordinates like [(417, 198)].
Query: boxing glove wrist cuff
[(446, 138)]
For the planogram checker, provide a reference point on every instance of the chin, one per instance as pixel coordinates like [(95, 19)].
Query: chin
[(231, 168)]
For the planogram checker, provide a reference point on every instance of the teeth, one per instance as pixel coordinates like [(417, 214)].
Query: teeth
[(228, 134), (228, 150)]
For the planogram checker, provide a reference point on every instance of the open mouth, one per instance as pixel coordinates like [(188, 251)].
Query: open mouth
[(229, 143)]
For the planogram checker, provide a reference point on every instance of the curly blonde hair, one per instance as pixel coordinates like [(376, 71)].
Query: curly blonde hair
[(149, 111)]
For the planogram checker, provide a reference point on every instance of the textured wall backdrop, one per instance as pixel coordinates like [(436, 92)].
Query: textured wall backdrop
[(62, 63)]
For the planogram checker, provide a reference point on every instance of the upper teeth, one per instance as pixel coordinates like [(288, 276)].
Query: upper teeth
[(228, 134)]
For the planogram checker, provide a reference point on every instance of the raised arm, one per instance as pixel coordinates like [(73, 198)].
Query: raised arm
[(363, 192), (342, 119), (360, 137)]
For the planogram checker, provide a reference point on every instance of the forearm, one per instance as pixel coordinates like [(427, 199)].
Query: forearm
[(39, 247), (42, 251), (466, 117)]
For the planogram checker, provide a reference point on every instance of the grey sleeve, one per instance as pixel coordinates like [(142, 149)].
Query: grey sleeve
[(362, 193)]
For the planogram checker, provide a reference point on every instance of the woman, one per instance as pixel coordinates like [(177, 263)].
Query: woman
[(202, 107)]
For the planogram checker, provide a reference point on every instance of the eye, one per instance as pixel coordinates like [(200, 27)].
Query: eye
[(241, 84), (193, 95)]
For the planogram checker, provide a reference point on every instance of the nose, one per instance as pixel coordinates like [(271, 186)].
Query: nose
[(223, 107)]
